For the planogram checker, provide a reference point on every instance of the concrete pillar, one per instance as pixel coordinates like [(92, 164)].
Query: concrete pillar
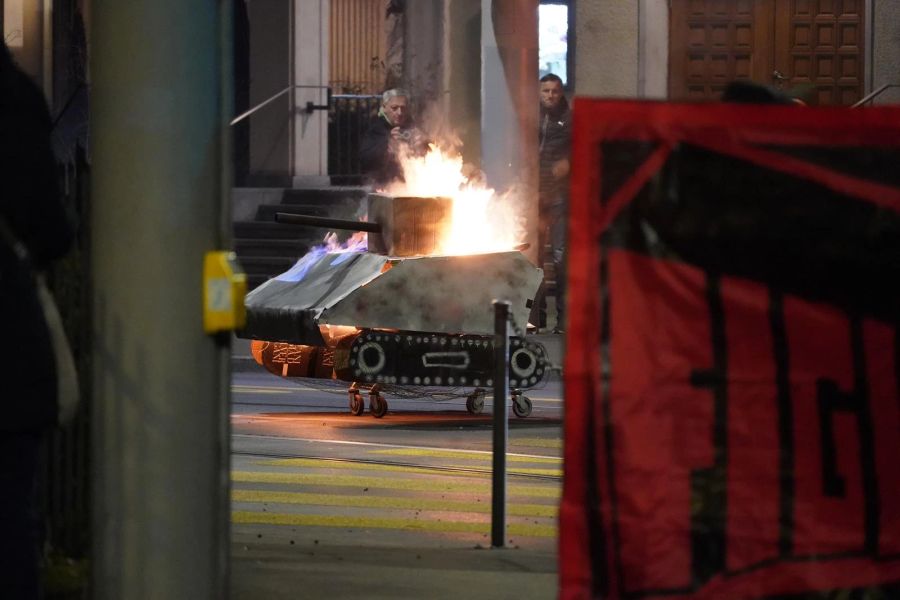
[(510, 102), (462, 82), (606, 63), (160, 105), (623, 48), (653, 49), (270, 72), (423, 61), (310, 68), (885, 49)]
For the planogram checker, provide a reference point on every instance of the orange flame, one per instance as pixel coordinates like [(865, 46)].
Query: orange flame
[(483, 221)]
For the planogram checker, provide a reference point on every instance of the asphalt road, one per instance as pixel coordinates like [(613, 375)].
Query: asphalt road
[(332, 500)]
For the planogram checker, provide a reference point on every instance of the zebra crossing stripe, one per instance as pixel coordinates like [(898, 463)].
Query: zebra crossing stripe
[(444, 484), (267, 518), (537, 442), (455, 454), (362, 466), (399, 503)]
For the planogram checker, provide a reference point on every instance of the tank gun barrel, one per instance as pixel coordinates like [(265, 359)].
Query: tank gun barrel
[(327, 223)]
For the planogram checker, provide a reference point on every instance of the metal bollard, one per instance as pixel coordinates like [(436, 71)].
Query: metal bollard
[(501, 426)]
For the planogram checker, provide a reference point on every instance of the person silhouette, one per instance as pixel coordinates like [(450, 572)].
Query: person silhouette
[(34, 230)]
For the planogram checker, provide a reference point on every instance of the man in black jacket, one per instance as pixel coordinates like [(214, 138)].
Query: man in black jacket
[(31, 209), (387, 138), (554, 143)]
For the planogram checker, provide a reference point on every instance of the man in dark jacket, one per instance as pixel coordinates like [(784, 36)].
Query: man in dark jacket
[(31, 209), (387, 138), (554, 143)]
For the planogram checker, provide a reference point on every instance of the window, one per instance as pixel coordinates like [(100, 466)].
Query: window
[(553, 40)]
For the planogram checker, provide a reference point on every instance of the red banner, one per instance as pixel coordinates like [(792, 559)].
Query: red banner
[(732, 423)]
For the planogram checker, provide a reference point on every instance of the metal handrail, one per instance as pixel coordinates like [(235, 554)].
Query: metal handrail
[(875, 94), (274, 97), (354, 96)]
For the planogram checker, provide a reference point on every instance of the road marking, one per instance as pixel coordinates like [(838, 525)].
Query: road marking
[(363, 466), (246, 389), (537, 442), (543, 398), (378, 444), (520, 529), (463, 455), (399, 503), (417, 485)]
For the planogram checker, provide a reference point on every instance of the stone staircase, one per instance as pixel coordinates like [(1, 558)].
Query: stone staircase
[(266, 248)]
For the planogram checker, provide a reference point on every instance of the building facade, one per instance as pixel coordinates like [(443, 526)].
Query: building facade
[(826, 52)]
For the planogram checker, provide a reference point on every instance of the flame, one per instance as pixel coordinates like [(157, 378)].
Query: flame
[(483, 221), (358, 242), (330, 245)]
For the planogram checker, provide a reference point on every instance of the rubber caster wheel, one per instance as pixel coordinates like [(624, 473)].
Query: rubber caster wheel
[(521, 406), (475, 402), (377, 405), (357, 404)]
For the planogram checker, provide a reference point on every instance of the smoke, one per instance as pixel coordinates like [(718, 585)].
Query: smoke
[(438, 129)]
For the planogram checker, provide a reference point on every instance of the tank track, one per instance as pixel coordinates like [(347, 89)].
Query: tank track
[(434, 359)]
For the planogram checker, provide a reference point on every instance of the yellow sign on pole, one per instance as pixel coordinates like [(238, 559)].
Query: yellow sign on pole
[(224, 288)]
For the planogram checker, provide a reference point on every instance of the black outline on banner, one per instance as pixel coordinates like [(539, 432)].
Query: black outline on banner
[(785, 424), (872, 503), (708, 538), (830, 400), (600, 587), (714, 379)]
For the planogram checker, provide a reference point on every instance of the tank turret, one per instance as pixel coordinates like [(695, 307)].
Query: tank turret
[(400, 312)]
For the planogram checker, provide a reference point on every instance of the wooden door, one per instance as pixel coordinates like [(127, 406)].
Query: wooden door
[(713, 42), (810, 48), (819, 49)]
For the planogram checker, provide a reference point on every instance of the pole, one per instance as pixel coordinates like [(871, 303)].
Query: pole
[(327, 223), (501, 426), (509, 104), (160, 104)]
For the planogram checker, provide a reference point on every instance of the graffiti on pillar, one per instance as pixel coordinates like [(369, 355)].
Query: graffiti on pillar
[(393, 62)]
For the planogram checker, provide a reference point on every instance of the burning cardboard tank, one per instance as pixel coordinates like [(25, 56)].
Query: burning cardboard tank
[(398, 314)]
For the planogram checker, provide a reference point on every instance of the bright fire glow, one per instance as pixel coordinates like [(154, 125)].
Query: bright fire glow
[(356, 243), (483, 221)]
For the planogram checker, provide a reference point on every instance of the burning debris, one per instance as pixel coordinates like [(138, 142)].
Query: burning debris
[(407, 299), (482, 220)]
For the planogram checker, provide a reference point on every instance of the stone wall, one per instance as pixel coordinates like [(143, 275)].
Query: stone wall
[(886, 49), (606, 57), (622, 48)]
